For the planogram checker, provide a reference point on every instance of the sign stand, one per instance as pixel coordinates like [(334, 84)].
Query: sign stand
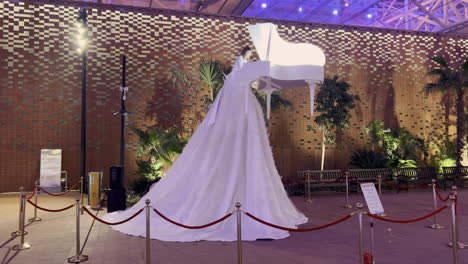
[(375, 207)]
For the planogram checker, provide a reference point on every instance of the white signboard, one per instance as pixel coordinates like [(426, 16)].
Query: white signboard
[(51, 167), (372, 198)]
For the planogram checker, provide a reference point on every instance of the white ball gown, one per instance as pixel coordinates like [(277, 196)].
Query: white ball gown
[(227, 160)]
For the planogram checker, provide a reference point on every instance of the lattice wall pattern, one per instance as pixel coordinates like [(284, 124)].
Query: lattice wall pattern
[(40, 83)]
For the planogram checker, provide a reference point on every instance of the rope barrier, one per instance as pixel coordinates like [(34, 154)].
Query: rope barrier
[(410, 220), (32, 194), (440, 196), (405, 187), (192, 227), (59, 194), (50, 210), (299, 230), (109, 223)]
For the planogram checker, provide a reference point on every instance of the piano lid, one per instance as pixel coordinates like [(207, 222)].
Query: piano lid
[(271, 47)]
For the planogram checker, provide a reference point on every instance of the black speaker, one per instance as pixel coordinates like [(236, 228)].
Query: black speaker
[(116, 179), (116, 200)]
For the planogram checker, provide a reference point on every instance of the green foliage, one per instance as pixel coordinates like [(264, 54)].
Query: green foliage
[(334, 102), (452, 82), (366, 159), (158, 149), (443, 155), (211, 73), (401, 148)]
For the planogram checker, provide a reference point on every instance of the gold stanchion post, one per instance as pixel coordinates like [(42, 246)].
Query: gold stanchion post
[(347, 205), (454, 229), (78, 257), (148, 239), (22, 245), (239, 234), (434, 197), (379, 180), (20, 232), (35, 218), (359, 206)]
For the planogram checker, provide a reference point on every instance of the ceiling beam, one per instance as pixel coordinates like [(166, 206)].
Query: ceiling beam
[(429, 13), (233, 7), (344, 21)]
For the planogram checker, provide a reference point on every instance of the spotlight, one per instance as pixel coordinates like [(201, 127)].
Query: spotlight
[(346, 3), (264, 5), (335, 12), (369, 16), (300, 9)]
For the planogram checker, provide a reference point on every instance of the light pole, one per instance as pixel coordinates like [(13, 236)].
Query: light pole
[(82, 41)]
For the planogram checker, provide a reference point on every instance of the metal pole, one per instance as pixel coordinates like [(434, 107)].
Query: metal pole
[(78, 257), (359, 206), (148, 239), (379, 180), (309, 200), (19, 232), (22, 245), (347, 205), (35, 218), (454, 229), (83, 19), (461, 245), (239, 234), (372, 239), (434, 197)]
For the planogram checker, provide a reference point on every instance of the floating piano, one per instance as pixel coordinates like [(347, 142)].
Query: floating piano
[(283, 64)]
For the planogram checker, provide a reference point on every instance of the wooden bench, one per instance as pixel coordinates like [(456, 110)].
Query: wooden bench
[(450, 174), (368, 175), (415, 177), (326, 179)]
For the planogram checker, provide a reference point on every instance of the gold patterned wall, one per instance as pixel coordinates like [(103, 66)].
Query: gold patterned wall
[(40, 83)]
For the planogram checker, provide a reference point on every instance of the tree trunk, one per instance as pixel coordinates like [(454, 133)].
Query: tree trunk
[(323, 148), (460, 128)]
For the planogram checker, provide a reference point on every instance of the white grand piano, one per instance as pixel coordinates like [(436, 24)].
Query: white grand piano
[(282, 64)]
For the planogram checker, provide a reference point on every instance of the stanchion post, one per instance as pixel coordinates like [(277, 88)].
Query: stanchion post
[(239, 234), (309, 200), (19, 232), (454, 229), (148, 238), (22, 245), (81, 189), (461, 245), (379, 180), (434, 197), (347, 205), (78, 257), (359, 206), (35, 218)]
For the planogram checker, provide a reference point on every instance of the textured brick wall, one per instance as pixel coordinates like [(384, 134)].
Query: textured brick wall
[(40, 83)]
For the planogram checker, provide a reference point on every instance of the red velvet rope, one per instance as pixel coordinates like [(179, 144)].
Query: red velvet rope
[(33, 193), (330, 182), (410, 220), (116, 223), (406, 187), (353, 180), (59, 194), (192, 227), (298, 230), (50, 210), (440, 196)]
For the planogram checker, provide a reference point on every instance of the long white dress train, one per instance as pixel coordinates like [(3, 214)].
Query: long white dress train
[(227, 160)]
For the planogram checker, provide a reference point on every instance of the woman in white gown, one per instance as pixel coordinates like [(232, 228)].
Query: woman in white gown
[(227, 160)]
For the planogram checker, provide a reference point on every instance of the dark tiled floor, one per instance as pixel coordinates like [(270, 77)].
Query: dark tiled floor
[(53, 241)]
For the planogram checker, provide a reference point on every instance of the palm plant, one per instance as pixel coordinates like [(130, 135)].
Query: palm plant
[(375, 130), (212, 73), (365, 159), (454, 83), (334, 103), (159, 148)]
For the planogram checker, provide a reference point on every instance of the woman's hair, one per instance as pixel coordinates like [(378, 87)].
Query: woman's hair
[(244, 50)]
